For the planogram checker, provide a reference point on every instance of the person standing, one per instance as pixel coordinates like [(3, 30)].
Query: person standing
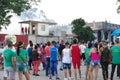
[(47, 51), (53, 61), (21, 61), (9, 62), (115, 52), (30, 56), (76, 55), (95, 62), (88, 58), (82, 48), (62, 46), (66, 61), (104, 60), (36, 60)]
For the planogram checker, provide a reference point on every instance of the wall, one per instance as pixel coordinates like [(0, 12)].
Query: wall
[(23, 38), (43, 33)]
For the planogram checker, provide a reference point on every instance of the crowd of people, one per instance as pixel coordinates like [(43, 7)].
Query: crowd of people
[(93, 56)]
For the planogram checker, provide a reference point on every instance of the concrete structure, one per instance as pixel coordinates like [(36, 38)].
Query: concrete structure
[(103, 30), (37, 31)]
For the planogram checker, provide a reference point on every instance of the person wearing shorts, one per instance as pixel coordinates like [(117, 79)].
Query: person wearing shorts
[(87, 50), (95, 62), (75, 53), (21, 61), (66, 61), (9, 62)]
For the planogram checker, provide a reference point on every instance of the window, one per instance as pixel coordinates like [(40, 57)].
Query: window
[(43, 27)]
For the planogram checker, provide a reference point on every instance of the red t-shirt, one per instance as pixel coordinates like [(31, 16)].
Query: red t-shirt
[(47, 51), (75, 53)]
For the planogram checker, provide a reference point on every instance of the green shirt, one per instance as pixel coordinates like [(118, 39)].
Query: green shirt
[(115, 51), (22, 55), (7, 56), (87, 50)]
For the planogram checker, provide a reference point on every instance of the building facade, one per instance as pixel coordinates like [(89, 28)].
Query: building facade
[(103, 30)]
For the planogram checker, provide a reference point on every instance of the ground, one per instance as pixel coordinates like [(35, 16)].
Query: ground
[(61, 74)]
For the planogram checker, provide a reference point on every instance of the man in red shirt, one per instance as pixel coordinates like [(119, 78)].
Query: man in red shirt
[(76, 60), (47, 51)]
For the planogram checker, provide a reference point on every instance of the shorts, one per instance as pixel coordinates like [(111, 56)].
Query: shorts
[(76, 65), (95, 62), (21, 67), (83, 56), (66, 65), (9, 73)]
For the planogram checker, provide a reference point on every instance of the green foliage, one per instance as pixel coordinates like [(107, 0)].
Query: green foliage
[(12, 6), (118, 9), (83, 32)]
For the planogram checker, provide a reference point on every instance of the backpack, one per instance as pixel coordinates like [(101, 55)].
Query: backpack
[(105, 55)]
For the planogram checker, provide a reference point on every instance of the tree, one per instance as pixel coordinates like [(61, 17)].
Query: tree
[(84, 33), (118, 9), (12, 6)]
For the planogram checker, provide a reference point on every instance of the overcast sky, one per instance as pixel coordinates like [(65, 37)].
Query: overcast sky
[(64, 11)]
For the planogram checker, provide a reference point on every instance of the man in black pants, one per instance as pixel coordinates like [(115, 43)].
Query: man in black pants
[(115, 51), (62, 46)]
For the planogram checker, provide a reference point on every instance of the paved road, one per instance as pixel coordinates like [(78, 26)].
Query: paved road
[(43, 77)]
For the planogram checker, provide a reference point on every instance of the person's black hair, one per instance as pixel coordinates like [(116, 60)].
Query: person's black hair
[(96, 46), (30, 42), (20, 45), (31, 45), (53, 42), (74, 41), (35, 47), (38, 45), (113, 43), (48, 43), (67, 43), (89, 45), (117, 41)]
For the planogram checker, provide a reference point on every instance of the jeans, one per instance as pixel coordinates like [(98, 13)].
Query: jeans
[(104, 66), (113, 70), (61, 65), (53, 67), (47, 66)]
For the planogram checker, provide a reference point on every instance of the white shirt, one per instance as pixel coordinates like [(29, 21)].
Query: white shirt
[(82, 48), (66, 56)]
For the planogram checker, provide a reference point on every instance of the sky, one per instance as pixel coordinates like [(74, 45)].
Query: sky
[(65, 11)]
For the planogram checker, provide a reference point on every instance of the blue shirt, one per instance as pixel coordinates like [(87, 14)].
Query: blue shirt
[(53, 54), (30, 53)]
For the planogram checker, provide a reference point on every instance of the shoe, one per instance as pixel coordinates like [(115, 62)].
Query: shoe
[(50, 78), (34, 74), (57, 78), (70, 78), (37, 75), (61, 69)]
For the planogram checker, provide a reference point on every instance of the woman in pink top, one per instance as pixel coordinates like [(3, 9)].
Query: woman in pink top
[(95, 62)]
